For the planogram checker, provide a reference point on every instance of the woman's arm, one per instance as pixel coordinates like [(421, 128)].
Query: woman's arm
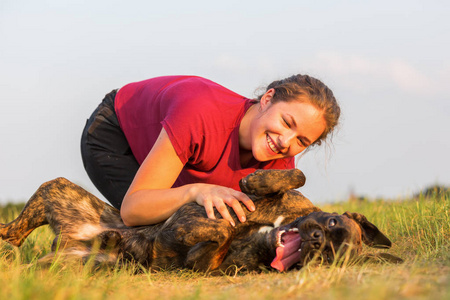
[(150, 198)]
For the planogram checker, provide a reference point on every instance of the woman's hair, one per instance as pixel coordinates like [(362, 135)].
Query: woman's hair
[(304, 88)]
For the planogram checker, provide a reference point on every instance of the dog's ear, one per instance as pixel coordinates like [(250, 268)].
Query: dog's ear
[(371, 235)]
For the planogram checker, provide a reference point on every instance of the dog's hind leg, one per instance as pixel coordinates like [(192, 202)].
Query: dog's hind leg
[(208, 255), (265, 182), (71, 212), (31, 217)]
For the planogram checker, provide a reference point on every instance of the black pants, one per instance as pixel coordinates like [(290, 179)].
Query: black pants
[(107, 157)]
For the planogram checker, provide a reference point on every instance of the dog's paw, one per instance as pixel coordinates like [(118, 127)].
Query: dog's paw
[(265, 182), (253, 183), (8, 236)]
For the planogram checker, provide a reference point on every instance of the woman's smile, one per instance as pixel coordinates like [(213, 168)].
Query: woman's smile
[(272, 146)]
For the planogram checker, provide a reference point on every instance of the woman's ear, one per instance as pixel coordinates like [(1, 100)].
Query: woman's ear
[(266, 99)]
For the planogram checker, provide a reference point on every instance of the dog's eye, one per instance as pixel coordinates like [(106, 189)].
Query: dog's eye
[(332, 223)]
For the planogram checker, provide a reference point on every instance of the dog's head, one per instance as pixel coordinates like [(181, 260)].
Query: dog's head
[(325, 236)]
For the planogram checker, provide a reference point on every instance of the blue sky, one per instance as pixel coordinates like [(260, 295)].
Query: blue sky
[(388, 63)]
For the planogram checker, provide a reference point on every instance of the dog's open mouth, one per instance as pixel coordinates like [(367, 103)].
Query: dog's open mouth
[(288, 251)]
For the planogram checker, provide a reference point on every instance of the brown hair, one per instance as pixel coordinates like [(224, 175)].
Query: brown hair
[(307, 88)]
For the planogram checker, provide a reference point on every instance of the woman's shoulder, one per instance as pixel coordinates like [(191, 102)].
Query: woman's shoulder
[(198, 88), (198, 96)]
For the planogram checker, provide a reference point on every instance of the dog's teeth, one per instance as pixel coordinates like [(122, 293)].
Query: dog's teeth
[(294, 229), (280, 233)]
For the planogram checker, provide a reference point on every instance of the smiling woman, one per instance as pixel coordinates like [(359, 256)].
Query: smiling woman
[(306, 89), (157, 144), (283, 129), (294, 113)]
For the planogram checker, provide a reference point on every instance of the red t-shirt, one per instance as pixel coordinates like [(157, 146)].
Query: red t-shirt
[(202, 121)]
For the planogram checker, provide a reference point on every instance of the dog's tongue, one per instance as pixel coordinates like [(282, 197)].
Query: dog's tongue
[(287, 255)]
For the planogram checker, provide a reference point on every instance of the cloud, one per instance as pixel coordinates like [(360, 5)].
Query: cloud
[(226, 62), (396, 72), (410, 79), (348, 65)]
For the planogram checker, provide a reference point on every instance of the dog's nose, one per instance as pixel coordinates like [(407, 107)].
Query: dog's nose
[(317, 236)]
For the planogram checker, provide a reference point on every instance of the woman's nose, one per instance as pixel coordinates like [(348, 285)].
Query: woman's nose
[(286, 139)]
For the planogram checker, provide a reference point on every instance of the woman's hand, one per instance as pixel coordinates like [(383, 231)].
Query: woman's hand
[(211, 196), (150, 198)]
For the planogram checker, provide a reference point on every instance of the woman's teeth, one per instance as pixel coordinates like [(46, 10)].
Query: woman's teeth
[(271, 145)]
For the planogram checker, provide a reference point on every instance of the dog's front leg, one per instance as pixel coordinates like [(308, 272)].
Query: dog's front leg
[(189, 239), (266, 182), (210, 241)]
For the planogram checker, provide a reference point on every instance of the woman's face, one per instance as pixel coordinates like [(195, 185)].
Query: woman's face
[(283, 129)]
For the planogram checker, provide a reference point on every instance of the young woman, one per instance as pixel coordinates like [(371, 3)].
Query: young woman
[(157, 144)]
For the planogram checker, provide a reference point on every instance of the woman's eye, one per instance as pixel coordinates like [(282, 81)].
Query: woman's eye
[(332, 223), (286, 122)]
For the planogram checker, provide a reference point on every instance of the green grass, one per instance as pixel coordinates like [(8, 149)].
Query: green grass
[(419, 229)]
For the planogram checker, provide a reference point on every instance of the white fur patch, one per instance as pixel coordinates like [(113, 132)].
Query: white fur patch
[(265, 229), (278, 221), (87, 232)]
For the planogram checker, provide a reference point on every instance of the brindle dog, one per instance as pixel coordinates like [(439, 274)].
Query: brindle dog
[(285, 230)]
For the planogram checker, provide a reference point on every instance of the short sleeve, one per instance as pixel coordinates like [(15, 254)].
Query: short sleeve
[(196, 116)]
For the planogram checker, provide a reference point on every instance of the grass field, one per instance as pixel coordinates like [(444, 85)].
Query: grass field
[(419, 229)]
